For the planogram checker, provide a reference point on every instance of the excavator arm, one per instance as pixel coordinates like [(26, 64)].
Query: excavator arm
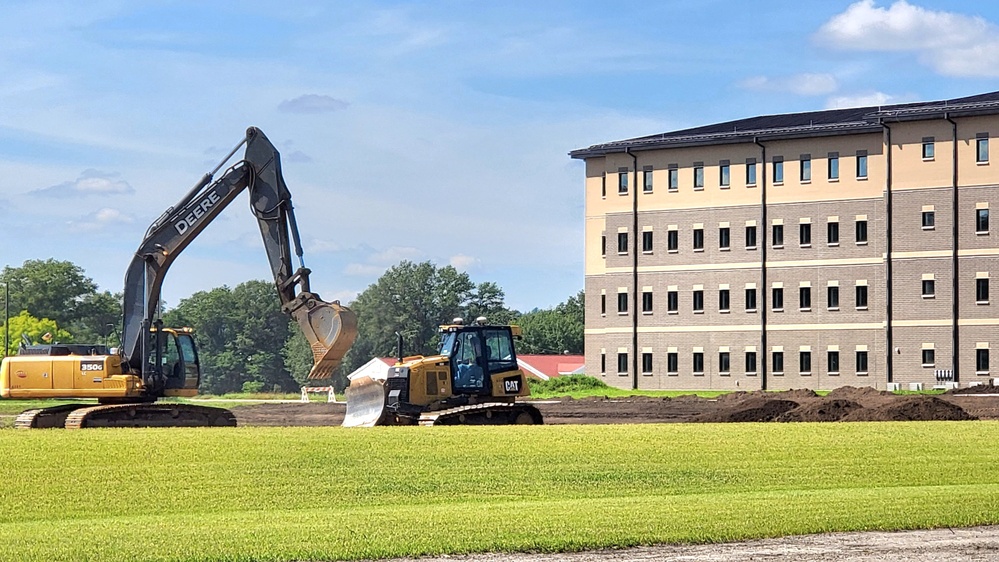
[(329, 327)]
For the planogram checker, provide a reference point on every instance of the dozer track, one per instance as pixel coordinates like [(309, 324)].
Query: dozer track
[(150, 415), (484, 414)]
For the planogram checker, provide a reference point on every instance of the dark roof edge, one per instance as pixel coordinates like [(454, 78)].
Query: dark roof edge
[(854, 128)]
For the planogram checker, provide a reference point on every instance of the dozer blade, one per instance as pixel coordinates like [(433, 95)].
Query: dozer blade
[(365, 403), (330, 329)]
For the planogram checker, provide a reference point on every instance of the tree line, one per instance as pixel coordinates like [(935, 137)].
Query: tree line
[(247, 344)]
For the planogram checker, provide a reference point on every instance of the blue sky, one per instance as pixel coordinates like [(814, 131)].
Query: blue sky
[(413, 130)]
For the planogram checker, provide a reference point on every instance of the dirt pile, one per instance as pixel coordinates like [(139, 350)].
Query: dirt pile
[(842, 404), (980, 389)]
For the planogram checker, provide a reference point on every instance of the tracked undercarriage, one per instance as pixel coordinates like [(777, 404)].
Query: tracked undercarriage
[(142, 414)]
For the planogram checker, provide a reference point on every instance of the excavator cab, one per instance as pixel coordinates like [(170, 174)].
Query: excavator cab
[(174, 361)]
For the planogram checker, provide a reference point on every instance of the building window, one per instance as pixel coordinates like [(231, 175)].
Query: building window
[(929, 220), (622, 182), (698, 363), (805, 362), (862, 164), (929, 288), (647, 241), (832, 297), (647, 302), (647, 363), (723, 300), (981, 221), (778, 171), (928, 148), (804, 298), (750, 362), (603, 186), (603, 304), (832, 362), (674, 178), (647, 183), (929, 357), (982, 154), (750, 300), (672, 362), (982, 290), (672, 241), (724, 237), (861, 362), (698, 301), (861, 294), (982, 361), (777, 362), (805, 234), (603, 246), (698, 238), (672, 301), (833, 161), (777, 299), (806, 168), (622, 243), (751, 171), (750, 237), (603, 362), (778, 236), (724, 362), (832, 233), (724, 174), (699, 175), (622, 363), (622, 303), (861, 231)]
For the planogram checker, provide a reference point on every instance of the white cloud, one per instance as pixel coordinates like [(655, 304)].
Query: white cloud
[(951, 44), (861, 100), (312, 103), (394, 255), (364, 269), (805, 84), (90, 182), (100, 220), (462, 262), (322, 246)]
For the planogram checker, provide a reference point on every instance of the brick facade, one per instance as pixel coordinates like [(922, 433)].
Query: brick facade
[(869, 187)]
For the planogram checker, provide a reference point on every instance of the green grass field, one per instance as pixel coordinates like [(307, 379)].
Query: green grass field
[(336, 493)]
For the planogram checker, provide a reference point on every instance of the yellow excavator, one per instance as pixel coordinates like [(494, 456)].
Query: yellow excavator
[(155, 361), (472, 379)]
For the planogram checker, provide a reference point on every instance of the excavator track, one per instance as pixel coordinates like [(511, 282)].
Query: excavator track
[(484, 414), (150, 415), (40, 418)]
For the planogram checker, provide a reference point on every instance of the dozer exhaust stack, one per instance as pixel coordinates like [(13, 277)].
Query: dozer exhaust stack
[(330, 330), (366, 400)]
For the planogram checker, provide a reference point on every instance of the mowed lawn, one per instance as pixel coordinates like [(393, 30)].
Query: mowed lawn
[(334, 493)]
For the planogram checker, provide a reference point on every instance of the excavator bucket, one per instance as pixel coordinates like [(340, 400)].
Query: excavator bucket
[(366, 399), (330, 329)]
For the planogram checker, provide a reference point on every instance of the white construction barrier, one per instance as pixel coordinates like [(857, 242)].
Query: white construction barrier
[(330, 396)]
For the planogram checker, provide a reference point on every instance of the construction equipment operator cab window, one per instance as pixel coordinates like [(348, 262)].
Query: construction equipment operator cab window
[(470, 362)]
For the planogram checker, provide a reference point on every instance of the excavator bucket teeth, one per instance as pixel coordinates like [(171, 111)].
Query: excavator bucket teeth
[(330, 329), (366, 399)]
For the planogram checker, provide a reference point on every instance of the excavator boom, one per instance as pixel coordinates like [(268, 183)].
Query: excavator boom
[(329, 327)]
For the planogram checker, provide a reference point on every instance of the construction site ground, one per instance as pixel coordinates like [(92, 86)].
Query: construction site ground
[(844, 404)]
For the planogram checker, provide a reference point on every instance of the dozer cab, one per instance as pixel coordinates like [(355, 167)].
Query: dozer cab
[(473, 379)]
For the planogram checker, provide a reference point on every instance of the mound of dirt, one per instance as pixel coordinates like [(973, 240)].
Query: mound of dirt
[(911, 408), (980, 389), (826, 410), (750, 409)]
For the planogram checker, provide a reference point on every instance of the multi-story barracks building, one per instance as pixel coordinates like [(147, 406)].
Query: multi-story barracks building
[(807, 250)]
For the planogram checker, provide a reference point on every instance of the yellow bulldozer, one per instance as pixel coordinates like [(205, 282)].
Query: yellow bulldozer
[(472, 379)]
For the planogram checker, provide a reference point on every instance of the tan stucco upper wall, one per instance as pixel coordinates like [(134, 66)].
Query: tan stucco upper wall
[(911, 171), (594, 263), (603, 198)]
